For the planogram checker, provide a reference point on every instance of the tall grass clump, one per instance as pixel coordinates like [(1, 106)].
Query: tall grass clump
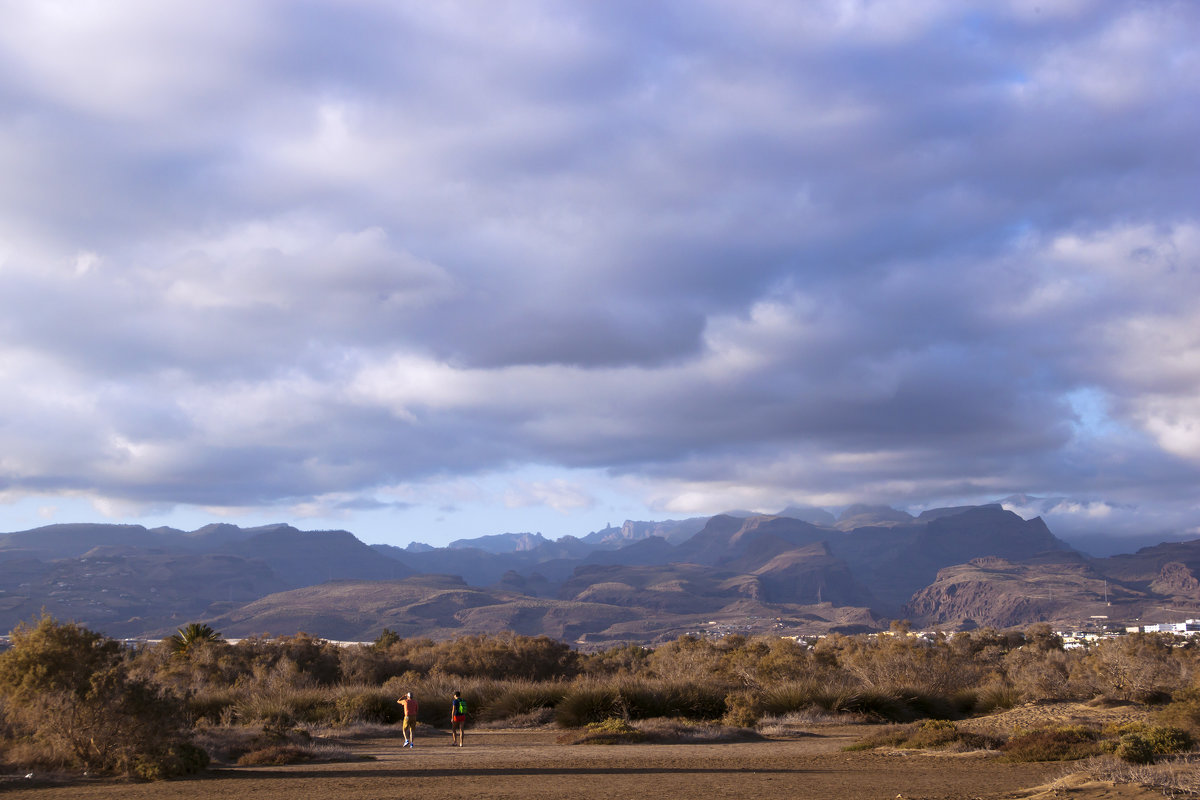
[(595, 701), (517, 699), (689, 700), (930, 734), (355, 705), (286, 706), (587, 702)]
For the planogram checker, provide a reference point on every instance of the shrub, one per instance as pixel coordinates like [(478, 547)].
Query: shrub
[(277, 755), (507, 655), (1053, 744), (1168, 741), (933, 733), (1143, 744), (609, 731)]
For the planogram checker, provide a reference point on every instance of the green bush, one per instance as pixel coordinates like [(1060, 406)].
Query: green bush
[(1168, 741), (1135, 748), (933, 733), (1138, 743)]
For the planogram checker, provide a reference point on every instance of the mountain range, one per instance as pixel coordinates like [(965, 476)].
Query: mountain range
[(800, 571)]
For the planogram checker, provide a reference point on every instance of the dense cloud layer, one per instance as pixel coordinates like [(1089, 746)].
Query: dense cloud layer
[(320, 256)]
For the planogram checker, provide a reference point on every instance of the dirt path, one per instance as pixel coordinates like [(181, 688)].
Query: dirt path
[(531, 766)]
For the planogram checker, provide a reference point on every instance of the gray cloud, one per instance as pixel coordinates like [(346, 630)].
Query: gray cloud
[(305, 253)]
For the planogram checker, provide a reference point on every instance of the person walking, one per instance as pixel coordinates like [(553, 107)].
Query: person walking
[(409, 726), (458, 719)]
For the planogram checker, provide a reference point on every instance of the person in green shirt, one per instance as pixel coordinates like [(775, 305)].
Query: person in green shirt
[(458, 719)]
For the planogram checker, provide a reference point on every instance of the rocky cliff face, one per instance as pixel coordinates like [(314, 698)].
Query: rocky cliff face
[(1176, 579)]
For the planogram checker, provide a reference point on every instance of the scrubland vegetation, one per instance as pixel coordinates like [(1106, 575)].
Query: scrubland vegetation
[(71, 699)]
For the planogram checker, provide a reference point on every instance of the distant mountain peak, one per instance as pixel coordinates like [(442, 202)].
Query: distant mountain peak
[(861, 515), (502, 542)]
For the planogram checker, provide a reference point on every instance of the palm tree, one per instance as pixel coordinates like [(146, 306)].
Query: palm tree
[(181, 642)]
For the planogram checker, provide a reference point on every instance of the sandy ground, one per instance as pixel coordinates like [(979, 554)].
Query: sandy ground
[(530, 765), (1036, 715)]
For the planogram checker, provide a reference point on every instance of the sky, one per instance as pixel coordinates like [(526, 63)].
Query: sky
[(429, 271)]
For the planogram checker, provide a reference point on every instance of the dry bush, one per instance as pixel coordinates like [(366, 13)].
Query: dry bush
[(895, 662), (743, 709), (276, 755), (1138, 667), (507, 656), (797, 722), (685, 659), (1173, 777), (1039, 675), (622, 660)]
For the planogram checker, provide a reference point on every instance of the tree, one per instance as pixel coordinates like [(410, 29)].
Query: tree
[(191, 635)]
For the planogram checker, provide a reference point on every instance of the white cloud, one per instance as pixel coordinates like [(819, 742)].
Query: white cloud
[(256, 257)]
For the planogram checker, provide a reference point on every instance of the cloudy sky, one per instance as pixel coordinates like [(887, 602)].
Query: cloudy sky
[(433, 270)]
